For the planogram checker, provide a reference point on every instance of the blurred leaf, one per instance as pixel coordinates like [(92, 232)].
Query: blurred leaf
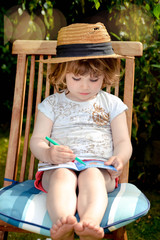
[(147, 7), (96, 3), (46, 22), (140, 175), (50, 12), (115, 35), (156, 11), (155, 65)]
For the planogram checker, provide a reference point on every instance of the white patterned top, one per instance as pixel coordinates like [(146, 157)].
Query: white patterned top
[(85, 127)]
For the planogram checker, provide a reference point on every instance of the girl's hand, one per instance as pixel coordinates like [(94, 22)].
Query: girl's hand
[(60, 154), (116, 162)]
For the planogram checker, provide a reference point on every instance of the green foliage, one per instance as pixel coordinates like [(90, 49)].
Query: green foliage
[(96, 3), (147, 92), (42, 7)]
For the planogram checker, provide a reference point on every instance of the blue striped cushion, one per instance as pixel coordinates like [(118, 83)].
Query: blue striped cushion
[(24, 206)]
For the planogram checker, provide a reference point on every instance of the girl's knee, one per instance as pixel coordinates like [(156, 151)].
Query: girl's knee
[(90, 172), (58, 176), (63, 174), (97, 177), (91, 177)]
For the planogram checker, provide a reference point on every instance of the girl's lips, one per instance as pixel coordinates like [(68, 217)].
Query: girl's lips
[(84, 93)]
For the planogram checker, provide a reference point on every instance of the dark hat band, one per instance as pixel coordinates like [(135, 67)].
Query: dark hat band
[(87, 49)]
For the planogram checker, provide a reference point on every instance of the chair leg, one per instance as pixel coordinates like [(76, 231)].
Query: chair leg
[(3, 235), (120, 234)]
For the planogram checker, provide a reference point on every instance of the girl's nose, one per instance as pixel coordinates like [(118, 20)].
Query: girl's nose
[(84, 84)]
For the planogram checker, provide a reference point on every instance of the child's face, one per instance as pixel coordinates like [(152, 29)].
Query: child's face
[(83, 87)]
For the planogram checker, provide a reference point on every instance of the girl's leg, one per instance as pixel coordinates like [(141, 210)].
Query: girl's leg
[(61, 201), (92, 202)]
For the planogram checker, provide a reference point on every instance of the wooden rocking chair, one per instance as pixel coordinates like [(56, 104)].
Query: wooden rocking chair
[(25, 102)]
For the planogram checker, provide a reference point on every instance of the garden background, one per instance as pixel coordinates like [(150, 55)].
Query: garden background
[(125, 20)]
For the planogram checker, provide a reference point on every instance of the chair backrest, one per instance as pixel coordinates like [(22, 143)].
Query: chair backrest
[(32, 85)]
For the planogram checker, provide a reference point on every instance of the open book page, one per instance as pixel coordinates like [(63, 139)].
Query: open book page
[(49, 166), (77, 166)]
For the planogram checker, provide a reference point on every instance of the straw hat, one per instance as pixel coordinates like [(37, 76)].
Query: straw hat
[(83, 41)]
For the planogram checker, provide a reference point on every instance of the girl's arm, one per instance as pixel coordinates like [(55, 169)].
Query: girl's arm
[(39, 145), (121, 143)]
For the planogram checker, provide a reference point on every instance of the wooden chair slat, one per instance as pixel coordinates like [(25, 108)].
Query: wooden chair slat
[(21, 115), (16, 120), (116, 89), (128, 100), (44, 47), (128, 48), (10, 228), (28, 118), (36, 47), (108, 89), (129, 89), (31, 167), (120, 234), (47, 92), (39, 85), (38, 100)]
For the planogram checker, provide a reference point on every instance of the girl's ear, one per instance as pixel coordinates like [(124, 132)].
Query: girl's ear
[(66, 92)]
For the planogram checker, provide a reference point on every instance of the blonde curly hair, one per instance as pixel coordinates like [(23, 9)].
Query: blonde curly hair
[(95, 67)]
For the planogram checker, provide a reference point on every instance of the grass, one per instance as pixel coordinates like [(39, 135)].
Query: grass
[(145, 228)]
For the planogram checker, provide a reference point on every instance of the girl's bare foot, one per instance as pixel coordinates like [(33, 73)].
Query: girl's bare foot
[(64, 228), (88, 231)]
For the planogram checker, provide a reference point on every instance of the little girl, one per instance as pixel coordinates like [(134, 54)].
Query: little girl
[(88, 123)]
